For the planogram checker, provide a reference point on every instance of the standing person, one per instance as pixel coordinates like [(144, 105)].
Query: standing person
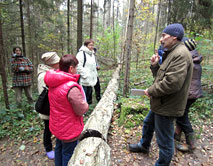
[(195, 92), (22, 69), (97, 86), (67, 106), (87, 68), (51, 61), (168, 94)]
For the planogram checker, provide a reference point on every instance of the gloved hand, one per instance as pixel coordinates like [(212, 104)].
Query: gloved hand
[(21, 68)]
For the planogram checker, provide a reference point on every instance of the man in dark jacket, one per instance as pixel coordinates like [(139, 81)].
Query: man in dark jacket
[(168, 94)]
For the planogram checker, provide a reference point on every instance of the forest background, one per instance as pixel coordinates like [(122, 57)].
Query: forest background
[(39, 26)]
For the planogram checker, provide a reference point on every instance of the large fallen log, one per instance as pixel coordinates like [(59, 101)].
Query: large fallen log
[(93, 149)]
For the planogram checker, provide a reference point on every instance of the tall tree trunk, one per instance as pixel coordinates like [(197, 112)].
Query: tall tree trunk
[(98, 17), (117, 11), (30, 50), (129, 46), (91, 19), (71, 27), (104, 14), (79, 24), (2, 67), (113, 26), (109, 14), (30, 47), (156, 30), (169, 12), (22, 28), (68, 26)]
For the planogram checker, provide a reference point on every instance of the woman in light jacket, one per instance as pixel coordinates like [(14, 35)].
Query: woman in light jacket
[(51, 61), (87, 68)]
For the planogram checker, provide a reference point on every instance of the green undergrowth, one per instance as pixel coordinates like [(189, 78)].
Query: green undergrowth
[(202, 110), (132, 111), (19, 123), (23, 123)]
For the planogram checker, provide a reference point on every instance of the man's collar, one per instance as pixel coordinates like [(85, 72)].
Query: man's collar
[(173, 47)]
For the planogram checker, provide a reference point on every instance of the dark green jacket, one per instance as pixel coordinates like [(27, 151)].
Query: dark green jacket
[(169, 91)]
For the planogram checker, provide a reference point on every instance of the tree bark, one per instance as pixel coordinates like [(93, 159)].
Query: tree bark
[(169, 12), (93, 151), (156, 30), (22, 28), (2, 67), (79, 24), (68, 26), (91, 19), (128, 46), (108, 21), (113, 27), (104, 14)]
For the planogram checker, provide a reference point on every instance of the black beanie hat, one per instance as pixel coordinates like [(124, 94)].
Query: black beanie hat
[(175, 30)]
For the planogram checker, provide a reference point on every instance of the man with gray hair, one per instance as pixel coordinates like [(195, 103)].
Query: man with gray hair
[(168, 94)]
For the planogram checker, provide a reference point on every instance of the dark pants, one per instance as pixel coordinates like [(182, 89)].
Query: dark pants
[(47, 137), (88, 93), (164, 130), (97, 90), (63, 152), (183, 121)]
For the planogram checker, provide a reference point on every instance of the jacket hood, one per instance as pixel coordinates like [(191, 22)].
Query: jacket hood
[(85, 49), (54, 78), (43, 68)]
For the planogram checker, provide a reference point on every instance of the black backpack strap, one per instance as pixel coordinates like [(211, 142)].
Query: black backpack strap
[(85, 59)]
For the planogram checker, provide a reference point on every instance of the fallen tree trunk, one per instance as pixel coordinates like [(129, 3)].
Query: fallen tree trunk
[(93, 150)]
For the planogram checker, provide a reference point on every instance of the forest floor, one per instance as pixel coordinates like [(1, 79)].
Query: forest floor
[(31, 152), (120, 138)]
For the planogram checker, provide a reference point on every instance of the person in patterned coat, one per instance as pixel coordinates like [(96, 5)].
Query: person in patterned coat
[(22, 69)]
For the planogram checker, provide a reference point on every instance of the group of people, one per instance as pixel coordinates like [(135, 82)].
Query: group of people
[(177, 84), (69, 94)]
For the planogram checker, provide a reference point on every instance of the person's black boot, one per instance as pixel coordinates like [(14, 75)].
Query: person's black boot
[(138, 148)]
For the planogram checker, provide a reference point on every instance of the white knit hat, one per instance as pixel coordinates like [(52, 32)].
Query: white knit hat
[(50, 58)]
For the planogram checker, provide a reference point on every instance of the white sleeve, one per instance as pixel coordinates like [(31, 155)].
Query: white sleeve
[(80, 69)]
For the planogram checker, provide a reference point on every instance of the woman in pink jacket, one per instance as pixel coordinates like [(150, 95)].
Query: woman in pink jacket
[(67, 106)]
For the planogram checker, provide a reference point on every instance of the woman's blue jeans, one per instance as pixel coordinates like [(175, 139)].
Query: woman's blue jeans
[(164, 130), (63, 152)]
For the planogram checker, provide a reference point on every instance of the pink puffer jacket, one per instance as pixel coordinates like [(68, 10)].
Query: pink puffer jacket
[(63, 123)]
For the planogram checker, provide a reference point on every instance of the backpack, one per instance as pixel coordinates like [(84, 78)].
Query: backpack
[(42, 105)]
